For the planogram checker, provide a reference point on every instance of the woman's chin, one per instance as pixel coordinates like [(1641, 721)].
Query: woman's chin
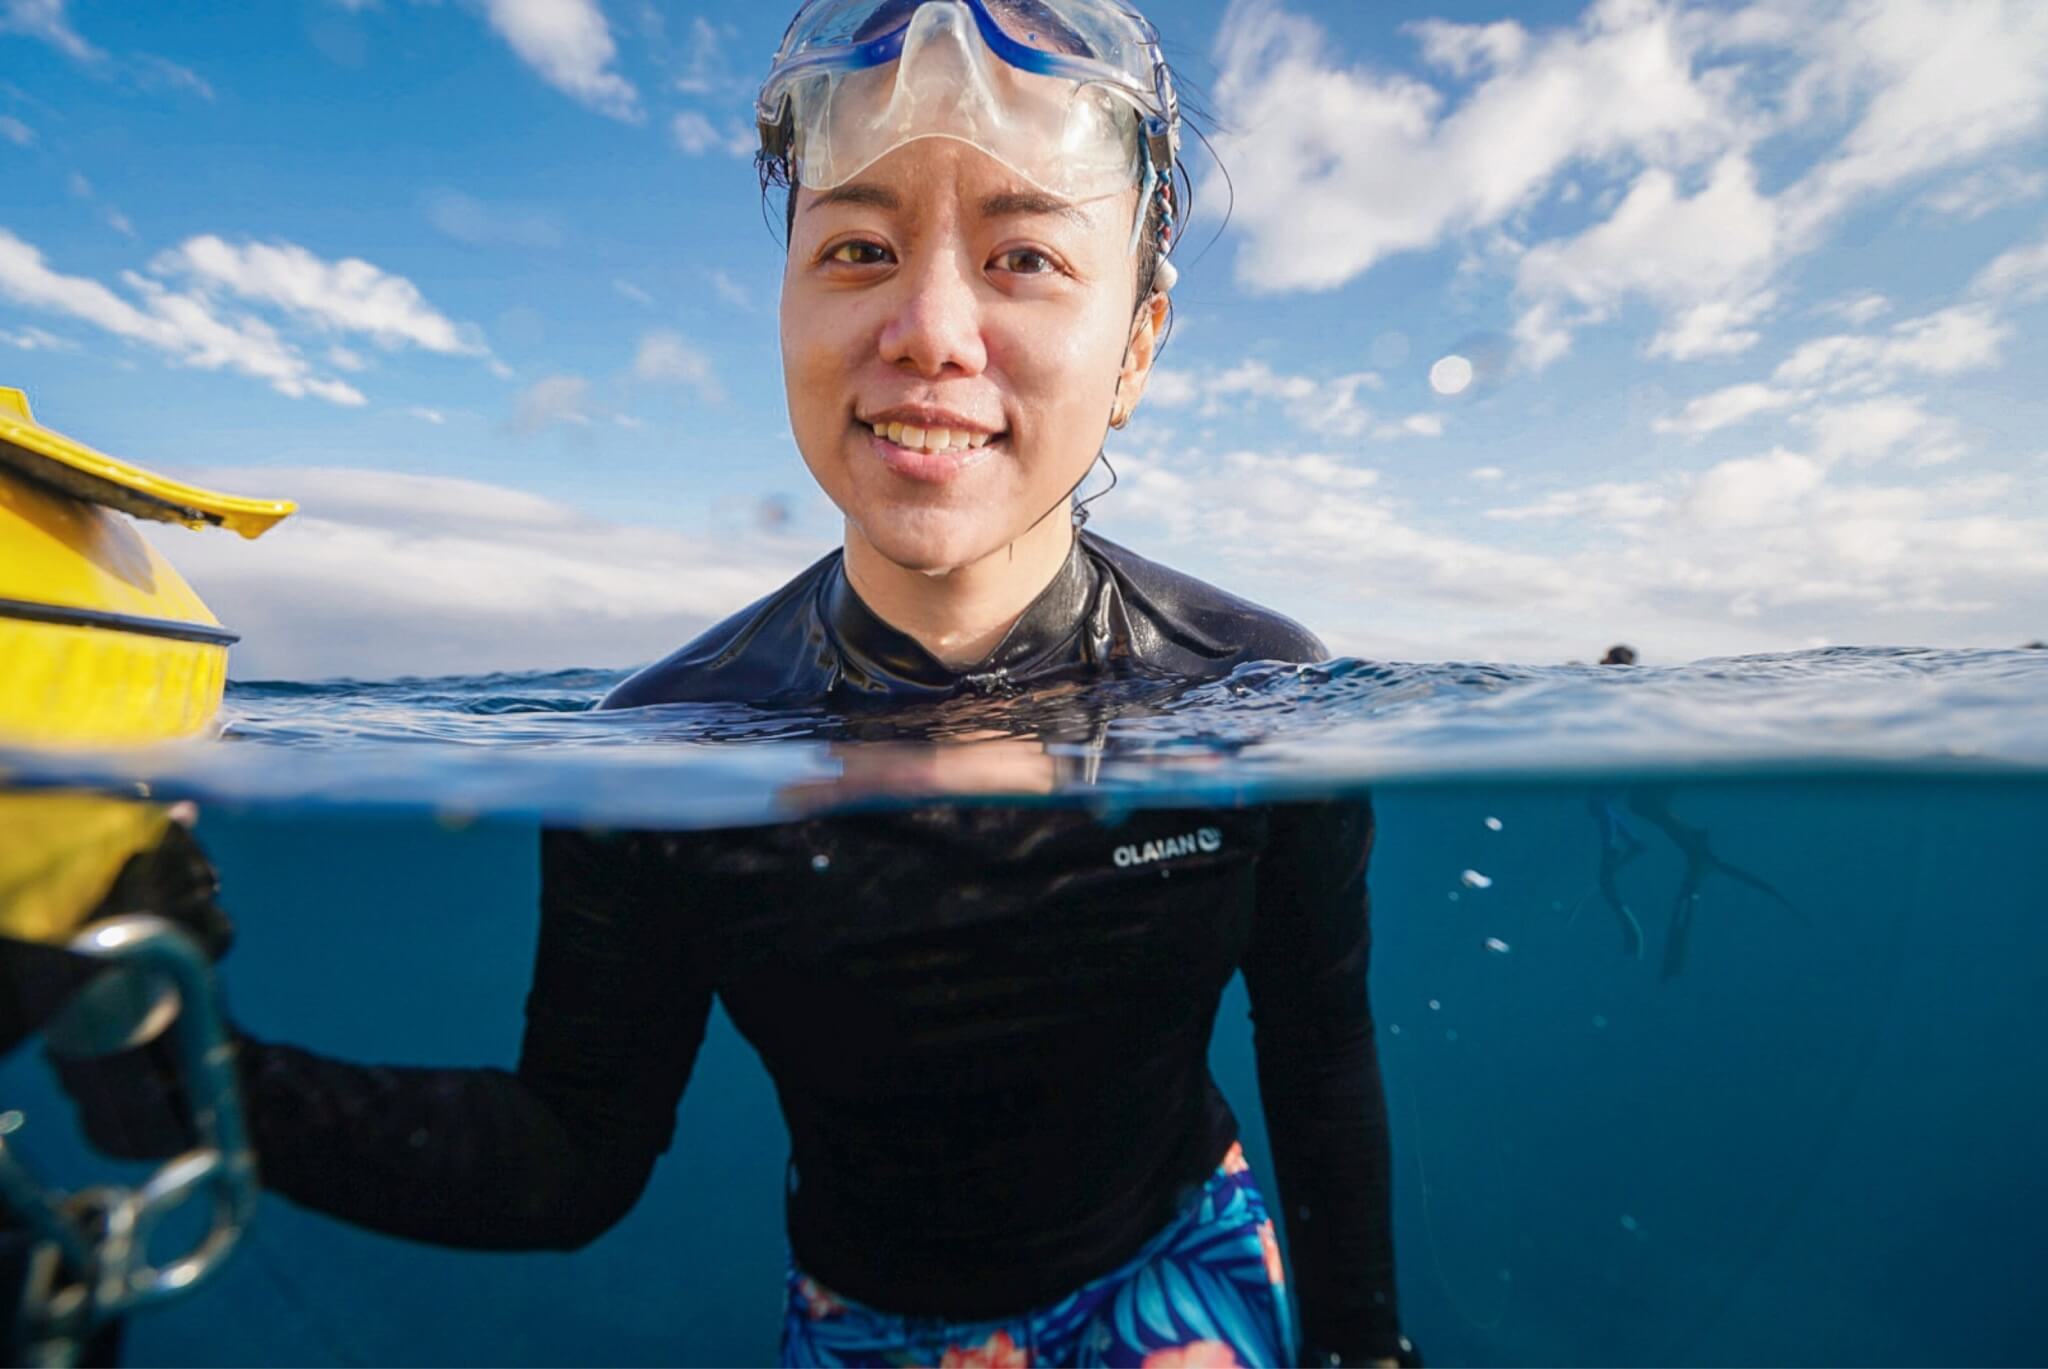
[(932, 544)]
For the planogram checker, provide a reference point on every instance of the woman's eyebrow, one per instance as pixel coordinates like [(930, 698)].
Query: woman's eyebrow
[(1009, 204), (1015, 203), (861, 193)]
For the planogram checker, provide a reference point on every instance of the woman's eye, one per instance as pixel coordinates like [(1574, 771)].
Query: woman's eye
[(858, 254), (1025, 261)]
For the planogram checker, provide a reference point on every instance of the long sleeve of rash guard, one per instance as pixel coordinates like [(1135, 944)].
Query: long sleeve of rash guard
[(1319, 1078), (547, 1157)]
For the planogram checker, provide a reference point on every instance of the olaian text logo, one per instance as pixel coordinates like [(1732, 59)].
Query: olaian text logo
[(1208, 841)]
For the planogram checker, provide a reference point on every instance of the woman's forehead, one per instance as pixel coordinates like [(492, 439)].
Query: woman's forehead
[(941, 178)]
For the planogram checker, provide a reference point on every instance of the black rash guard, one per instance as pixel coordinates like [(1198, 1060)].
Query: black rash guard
[(988, 1026)]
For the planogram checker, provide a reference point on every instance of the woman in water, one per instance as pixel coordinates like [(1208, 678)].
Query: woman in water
[(988, 1028)]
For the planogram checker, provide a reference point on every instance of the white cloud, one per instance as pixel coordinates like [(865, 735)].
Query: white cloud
[(1678, 102), (1713, 328), (666, 358), (2020, 274), (1329, 408), (1489, 475), (710, 69), (384, 574), (342, 359), (45, 19), (1763, 552), (1753, 490), (1338, 168), (1947, 342), (570, 45), (1316, 519), (187, 328), (1985, 192), (1869, 430), (1857, 308), (426, 415), (628, 290), (336, 392), (552, 401), (35, 340), (732, 292), (1415, 425), (350, 295), (697, 135), (1171, 389), (1704, 257), (158, 73), (1712, 412), (15, 131), (1940, 82)]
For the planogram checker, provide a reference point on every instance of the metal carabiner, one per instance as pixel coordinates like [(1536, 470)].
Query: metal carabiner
[(94, 1263)]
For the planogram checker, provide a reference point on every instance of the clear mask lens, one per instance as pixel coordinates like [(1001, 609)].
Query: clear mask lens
[(1049, 108)]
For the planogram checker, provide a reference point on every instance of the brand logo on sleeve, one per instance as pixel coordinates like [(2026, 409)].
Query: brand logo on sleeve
[(1208, 841)]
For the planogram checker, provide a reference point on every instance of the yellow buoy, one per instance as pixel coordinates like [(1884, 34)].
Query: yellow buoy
[(102, 644)]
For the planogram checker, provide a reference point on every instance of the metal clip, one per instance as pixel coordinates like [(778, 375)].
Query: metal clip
[(92, 1261)]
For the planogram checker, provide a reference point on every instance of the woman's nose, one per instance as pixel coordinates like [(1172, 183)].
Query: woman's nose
[(936, 329)]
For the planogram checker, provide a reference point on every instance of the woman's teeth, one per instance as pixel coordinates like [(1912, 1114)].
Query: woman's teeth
[(931, 439)]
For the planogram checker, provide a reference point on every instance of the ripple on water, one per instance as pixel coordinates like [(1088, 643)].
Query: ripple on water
[(535, 744)]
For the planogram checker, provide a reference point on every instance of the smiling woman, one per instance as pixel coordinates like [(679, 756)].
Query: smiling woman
[(954, 346), (988, 1027)]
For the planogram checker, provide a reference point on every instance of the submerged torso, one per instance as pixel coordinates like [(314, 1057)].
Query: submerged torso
[(988, 1026)]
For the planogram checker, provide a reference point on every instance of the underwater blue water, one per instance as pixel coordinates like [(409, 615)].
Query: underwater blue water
[(1817, 1141)]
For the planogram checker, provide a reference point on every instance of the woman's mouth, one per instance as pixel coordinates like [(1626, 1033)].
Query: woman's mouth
[(930, 455)]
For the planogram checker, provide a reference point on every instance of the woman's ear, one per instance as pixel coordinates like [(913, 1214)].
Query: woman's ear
[(1139, 356)]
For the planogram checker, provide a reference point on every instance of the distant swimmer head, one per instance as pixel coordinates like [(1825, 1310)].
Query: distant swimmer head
[(1619, 655), (979, 192)]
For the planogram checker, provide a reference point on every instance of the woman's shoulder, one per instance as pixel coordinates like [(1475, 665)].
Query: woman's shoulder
[(747, 657), (1183, 609)]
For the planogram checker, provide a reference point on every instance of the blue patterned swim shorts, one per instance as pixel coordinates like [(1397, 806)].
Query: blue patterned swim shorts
[(1206, 1293)]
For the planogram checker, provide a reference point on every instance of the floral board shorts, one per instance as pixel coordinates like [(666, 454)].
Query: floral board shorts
[(1206, 1293)]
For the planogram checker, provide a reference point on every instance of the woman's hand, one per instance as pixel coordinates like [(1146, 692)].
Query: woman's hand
[(132, 1101)]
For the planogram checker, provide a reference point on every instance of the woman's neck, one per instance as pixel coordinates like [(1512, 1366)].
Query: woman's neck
[(964, 614)]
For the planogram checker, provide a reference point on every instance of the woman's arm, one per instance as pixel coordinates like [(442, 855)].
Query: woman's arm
[(548, 1157), (1319, 1077)]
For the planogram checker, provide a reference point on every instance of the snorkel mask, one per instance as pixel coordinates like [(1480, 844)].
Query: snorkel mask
[(1072, 95)]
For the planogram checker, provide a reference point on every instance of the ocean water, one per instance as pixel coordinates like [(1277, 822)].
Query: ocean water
[(1801, 1122)]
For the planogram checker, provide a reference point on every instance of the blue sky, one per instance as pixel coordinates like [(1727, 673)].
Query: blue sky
[(1753, 296)]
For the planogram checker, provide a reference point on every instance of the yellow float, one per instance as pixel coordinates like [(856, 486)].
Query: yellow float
[(102, 644)]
